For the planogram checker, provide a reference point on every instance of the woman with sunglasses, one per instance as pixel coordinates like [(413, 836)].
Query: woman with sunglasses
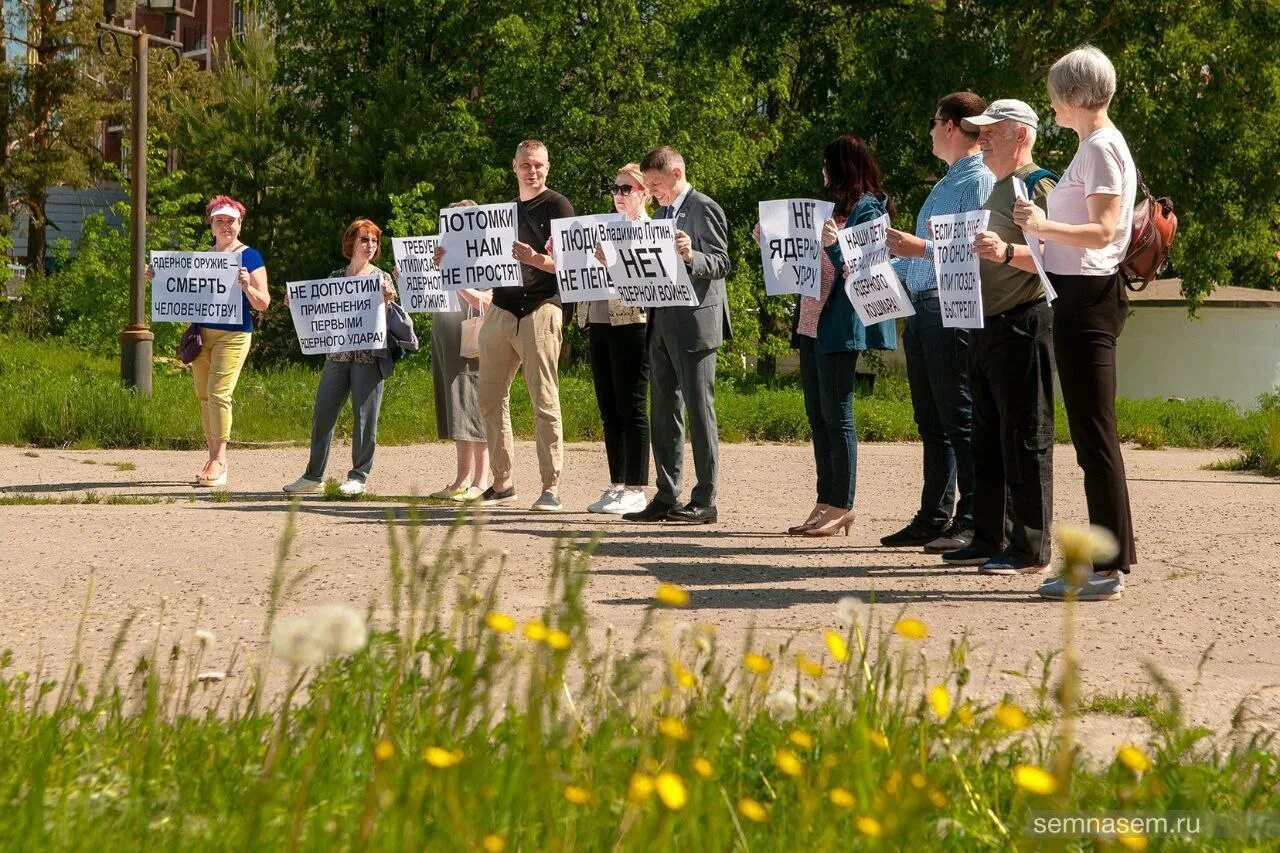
[(620, 371), (358, 375)]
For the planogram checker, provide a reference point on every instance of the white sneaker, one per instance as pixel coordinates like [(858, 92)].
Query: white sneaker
[(629, 500), (351, 488), (303, 486), (469, 494), (608, 496)]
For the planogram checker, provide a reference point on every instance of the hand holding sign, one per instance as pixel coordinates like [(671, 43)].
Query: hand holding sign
[(790, 245), (643, 264), (479, 245), (418, 272), (1026, 215), (197, 287), (1033, 240), (339, 314), (580, 267), (955, 266), (684, 247), (871, 284)]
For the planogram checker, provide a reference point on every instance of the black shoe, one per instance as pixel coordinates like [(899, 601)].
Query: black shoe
[(967, 556), (953, 538), (656, 511), (913, 535), (694, 514), (492, 497), (1010, 564)]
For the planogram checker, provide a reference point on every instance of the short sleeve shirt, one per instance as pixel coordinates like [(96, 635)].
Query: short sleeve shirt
[(1102, 166), (1004, 286), (250, 261)]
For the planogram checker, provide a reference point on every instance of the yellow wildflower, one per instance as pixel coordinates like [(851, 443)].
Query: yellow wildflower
[(671, 791), (752, 810), (1037, 780), (759, 664), (1132, 841), (940, 701), (384, 750), (868, 826), (1134, 758), (673, 728), (911, 628), (535, 631), (804, 740), (684, 677), (640, 787), (918, 781), (811, 668), (1086, 545), (703, 767), (965, 713), (894, 783), (837, 646), (500, 622), (936, 797), (577, 795), (1010, 717), (493, 843), (787, 761), (841, 798), (558, 640), (441, 758), (878, 740), (672, 595)]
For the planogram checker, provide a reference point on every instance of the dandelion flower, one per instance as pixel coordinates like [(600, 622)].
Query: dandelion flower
[(911, 628), (684, 677), (500, 622), (640, 788), (781, 704), (672, 595), (441, 758), (869, 826), (1010, 717), (205, 637), (558, 640), (1134, 758), (384, 750), (940, 701), (577, 795), (787, 762), (936, 797), (837, 646), (847, 611), (752, 810), (802, 739), (918, 781), (965, 713), (1086, 545), (292, 640), (703, 767), (1037, 780), (339, 629), (841, 798), (759, 664), (811, 668), (672, 728), (671, 790), (878, 740), (493, 843), (1132, 841), (535, 631)]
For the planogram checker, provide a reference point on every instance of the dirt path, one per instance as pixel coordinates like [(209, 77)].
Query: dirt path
[(1209, 572)]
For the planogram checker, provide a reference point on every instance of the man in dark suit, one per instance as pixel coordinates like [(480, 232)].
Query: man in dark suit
[(682, 345)]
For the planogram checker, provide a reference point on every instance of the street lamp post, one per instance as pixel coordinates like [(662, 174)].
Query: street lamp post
[(136, 338)]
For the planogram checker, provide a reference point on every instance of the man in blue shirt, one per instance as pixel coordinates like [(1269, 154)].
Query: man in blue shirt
[(937, 357)]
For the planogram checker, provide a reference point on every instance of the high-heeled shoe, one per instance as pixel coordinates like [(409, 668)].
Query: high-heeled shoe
[(833, 524), (815, 515)]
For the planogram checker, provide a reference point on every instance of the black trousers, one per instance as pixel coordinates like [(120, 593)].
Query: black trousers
[(620, 373), (1088, 316), (1011, 379)]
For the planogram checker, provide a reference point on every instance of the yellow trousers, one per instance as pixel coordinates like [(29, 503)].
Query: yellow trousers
[(216, 371)]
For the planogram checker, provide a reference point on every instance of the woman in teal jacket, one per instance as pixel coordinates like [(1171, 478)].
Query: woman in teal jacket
[(829, 336)]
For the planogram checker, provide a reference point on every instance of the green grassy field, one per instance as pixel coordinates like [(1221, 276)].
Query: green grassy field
[(59, 397)]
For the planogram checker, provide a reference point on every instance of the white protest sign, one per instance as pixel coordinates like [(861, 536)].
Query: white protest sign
[(338, 314), (477, 244), (643, 264), (573, 245), (873, 287), (196, 287), (420, 288), (955, 264), (1033, 243), (791, 245)]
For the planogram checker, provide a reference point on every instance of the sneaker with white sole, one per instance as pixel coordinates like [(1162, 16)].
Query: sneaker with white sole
[(547, 502), (448, 493), (469, 494), (303, 486), (631, 500), (1096, 588), (351, 488), (608, 496)]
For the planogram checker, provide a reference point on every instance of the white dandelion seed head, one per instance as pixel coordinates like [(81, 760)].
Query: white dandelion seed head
[(848, 611), (206, 638), (294, 641), (339, 629), (683, 631), (809, 698), (781, 705)]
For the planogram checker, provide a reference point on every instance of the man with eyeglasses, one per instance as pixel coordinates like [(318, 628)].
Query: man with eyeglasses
[(524, 327), (937, 356)]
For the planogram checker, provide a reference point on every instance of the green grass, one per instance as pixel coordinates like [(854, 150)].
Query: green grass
[(455, 729), (58, 397), (87, 498)]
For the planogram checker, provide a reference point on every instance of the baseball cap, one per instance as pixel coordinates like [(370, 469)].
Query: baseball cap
[(1005, 109)]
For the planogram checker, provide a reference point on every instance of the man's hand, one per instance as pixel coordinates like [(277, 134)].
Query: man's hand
[(990, 247), (438, 255), (523, 252), (600, 255), (684, 247), (905, 245)]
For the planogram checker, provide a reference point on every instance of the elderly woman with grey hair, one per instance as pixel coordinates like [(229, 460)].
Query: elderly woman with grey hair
[(1086, 232)]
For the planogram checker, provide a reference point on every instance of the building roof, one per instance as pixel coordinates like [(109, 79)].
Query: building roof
[(1167, 293)]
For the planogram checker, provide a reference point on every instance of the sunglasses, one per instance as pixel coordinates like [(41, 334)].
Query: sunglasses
[(623, 189), (934, 121)]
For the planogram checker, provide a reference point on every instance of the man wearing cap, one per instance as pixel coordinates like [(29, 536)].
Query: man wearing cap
[(937, 356), (1010, 363)]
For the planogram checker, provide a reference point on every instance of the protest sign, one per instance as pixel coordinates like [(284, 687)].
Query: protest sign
[(338, 314), (196, 287), (872, 285), (955, 264), (791, 245), (1033, 243), (420, 288), (477, 244), (573, 246), (643, 264)]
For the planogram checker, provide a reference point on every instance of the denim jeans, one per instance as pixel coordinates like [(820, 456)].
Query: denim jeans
[(938, 371), (338, 381), (827, 380)]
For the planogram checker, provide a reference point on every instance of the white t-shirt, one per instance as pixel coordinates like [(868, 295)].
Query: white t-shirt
[(1102, 166)]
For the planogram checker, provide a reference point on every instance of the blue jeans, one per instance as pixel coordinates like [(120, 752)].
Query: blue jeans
[(938, 371), (827, 380), (338, 381)]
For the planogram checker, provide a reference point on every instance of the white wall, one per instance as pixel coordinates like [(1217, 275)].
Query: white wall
[(1229, 353)]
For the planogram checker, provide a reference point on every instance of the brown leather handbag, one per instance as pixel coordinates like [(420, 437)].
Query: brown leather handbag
[(1154, 227)]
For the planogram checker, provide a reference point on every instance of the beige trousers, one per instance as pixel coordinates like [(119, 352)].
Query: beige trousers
[(506, 343), (216, 371)]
